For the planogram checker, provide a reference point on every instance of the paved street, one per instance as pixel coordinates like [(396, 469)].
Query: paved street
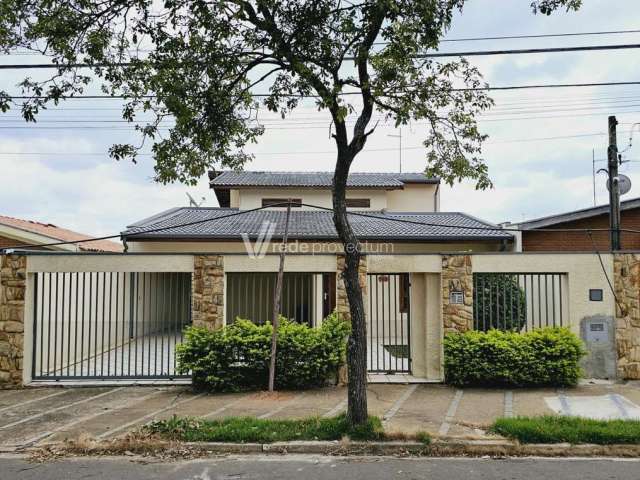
[(318, 468), (36, 416)]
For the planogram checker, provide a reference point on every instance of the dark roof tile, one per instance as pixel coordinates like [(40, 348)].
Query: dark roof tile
[(227, 223)]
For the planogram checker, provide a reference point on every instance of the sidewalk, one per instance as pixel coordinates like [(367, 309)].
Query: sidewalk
[(33, 416)]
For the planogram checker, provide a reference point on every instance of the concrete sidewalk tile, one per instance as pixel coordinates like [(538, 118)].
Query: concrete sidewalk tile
[(40, 425), (424, 412), (149, 416), (70, 424), (48, 405), (381, 397), (257, 404), (314, 403), (478, 408), (20, 398), (530, 402), (630, 392), (201, 406), (113, 419)]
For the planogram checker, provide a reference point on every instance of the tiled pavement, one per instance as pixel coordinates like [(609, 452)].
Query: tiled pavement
[(32, 416)]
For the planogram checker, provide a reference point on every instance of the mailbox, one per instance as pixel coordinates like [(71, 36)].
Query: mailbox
[(597, 332)]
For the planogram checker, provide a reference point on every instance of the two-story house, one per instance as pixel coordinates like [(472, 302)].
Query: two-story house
[(391, 213), (399, 212)]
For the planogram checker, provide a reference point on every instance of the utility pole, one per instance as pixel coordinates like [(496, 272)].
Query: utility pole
[(277, 298), (614, 190)]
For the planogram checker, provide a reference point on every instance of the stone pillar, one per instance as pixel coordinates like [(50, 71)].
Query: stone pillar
[(457, 275), (626, 281), (208, 291), (12, 294), (342, 301)]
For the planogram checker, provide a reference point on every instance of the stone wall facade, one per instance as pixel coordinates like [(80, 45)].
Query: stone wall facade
[(457, 275), (626, 272), (342, 301), (208, 291), (12, 296)]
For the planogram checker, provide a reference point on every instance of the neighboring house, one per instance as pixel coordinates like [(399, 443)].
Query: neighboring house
[(535, 239), (16, 232)]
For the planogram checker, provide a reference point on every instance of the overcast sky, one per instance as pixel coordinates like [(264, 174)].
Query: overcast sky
[(59, 173)]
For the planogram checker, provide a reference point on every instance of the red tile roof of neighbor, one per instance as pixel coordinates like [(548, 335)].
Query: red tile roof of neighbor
[(61, 234)]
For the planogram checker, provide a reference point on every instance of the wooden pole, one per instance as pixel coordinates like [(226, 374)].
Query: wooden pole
[(277, 297)]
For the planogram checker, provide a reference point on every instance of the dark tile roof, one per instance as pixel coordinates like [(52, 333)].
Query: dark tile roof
[(228, 223), (231, 179), (575, 215)]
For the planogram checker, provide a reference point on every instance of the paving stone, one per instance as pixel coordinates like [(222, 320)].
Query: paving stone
[(314, 403), (477, 410), (423, 411), (530, 402)]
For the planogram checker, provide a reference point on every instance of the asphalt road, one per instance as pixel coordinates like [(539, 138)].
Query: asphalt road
[(316, 468)]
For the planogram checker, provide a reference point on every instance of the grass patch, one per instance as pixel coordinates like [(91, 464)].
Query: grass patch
[(250, 429), (575, 430)]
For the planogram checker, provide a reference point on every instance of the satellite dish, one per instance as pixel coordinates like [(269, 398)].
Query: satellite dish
[(192, 201), (624, 184)]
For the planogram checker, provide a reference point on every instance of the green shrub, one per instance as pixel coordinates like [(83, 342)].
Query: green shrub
[(236, 357), (548, 356)]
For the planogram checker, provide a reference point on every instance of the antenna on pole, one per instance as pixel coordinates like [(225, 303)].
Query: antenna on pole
[(593, 170), (192, 201), (399, 137)]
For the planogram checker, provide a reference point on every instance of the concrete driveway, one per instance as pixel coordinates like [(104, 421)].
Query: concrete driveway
[(43, 415)]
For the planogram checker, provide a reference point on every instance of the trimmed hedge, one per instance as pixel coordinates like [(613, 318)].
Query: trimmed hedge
[(544, 357), (236, 357)]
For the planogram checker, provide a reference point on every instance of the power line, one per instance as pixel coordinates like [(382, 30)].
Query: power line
[(264, 95), (444, 40), (545, 35), (470, 53)]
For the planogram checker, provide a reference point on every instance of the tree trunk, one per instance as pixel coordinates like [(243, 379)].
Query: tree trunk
[(357, 344)]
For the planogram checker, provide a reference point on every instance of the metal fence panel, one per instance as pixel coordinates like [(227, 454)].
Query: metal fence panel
[(518, 301), (250, 296), (109, 325)]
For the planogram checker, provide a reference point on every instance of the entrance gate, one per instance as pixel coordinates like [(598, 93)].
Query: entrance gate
[(389, 323)]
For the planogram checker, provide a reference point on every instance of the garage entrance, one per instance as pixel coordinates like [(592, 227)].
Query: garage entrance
[(109, 325)]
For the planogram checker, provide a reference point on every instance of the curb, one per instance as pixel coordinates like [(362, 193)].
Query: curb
[(439, 447)]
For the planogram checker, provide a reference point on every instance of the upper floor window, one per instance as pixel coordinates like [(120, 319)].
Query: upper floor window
[(281, 202), (358, 203)]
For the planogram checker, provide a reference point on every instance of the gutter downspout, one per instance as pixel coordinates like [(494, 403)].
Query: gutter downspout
[(435, 198)]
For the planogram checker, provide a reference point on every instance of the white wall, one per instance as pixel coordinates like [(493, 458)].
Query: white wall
[(252, 198), (414, 198)]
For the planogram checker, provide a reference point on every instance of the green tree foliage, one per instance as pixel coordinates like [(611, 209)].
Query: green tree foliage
[(201, 60), (499, 302)]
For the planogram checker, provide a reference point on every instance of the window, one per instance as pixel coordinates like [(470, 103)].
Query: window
[(595, 294), (358, 203), (281, 202)]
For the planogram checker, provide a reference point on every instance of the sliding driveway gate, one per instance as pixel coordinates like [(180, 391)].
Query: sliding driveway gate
[(389, 323), (108, 325)]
